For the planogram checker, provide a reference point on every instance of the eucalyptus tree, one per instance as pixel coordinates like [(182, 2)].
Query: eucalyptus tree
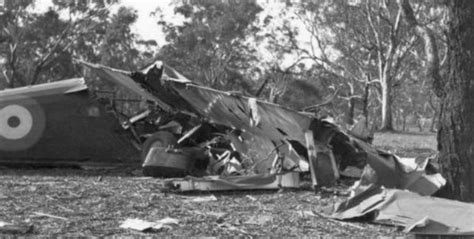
[(363, 44)]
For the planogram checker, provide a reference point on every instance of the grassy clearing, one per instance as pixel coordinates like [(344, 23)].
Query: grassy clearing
[(96, 202), (406, 144)]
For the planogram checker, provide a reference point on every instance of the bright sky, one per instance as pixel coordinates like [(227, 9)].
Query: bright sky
[(146, 26)]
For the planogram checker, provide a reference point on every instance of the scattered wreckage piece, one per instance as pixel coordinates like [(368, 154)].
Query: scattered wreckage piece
[(163, 160), (143, 226), (388, 170), (59, 123), (218, 183), (416, 213), (384, 168), (320, 159), (15, 228)]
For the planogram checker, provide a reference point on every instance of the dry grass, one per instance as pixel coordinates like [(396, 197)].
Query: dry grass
[(96, 202)]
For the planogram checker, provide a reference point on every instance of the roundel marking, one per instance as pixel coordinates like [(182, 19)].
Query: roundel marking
[(16, 122), (22, 123)]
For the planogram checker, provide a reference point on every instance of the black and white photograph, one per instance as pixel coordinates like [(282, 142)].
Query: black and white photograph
[(237, 118)]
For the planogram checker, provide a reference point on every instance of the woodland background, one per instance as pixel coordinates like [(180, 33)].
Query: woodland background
[(361, 54)]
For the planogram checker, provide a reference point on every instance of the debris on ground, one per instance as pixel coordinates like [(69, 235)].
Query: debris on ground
[(412, 211), (259, 220), (218, 183), (141, 225), (210, 198), (40, 214), (14, 228)]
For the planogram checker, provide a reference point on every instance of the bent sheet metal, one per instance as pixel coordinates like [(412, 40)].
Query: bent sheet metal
[(416, 213)]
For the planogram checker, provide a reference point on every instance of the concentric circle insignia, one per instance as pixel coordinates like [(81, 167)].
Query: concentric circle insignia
[(22, 122)]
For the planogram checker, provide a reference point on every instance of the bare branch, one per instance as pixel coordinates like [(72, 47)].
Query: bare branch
[(51, 50), (403, 53), (378, 40)]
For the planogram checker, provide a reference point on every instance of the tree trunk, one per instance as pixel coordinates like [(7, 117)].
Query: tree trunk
[(387, 117), (366, 102), (456, 126)]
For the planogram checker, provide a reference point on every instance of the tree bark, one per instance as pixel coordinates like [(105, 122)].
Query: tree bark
[(366, 101), (456, 123), (456, 129)]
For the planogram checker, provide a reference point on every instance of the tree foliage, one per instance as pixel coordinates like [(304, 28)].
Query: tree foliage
[(311, 47), (210, 46), (41, 47)]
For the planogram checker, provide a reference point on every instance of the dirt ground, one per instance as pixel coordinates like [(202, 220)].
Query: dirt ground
[(75, 202)]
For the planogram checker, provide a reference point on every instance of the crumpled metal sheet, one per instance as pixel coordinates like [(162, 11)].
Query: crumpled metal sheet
[(410, 210), (247, 114), (123, 78), (264, 125), (391, 172)]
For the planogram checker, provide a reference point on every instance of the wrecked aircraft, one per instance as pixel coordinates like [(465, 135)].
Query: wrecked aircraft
[(55, 123), (217, 140), (212, 132), (189, 129), (239, 135)]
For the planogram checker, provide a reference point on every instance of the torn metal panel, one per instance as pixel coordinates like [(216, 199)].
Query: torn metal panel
[(123, 78), (261, 152), (408, 209), (167, 72), (391, 174), (385, 168), (217, 183)]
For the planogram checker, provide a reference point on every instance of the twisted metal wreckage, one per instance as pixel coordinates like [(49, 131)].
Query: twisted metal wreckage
[(227, 134), (217, 140), (264, 145)]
